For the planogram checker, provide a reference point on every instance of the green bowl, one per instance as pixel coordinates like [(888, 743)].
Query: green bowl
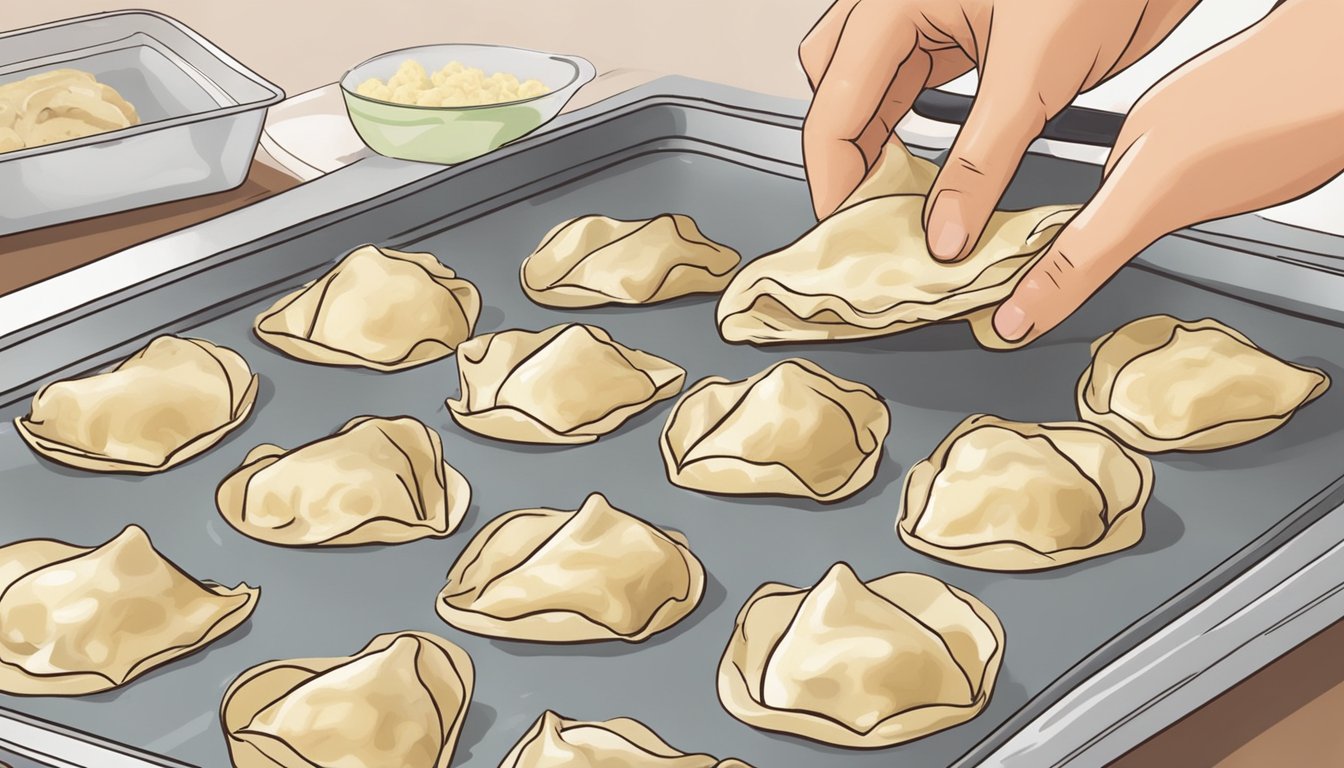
[(455, 134)]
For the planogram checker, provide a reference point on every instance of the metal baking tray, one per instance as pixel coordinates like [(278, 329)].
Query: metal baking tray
[(201, 114), (1225, 572)]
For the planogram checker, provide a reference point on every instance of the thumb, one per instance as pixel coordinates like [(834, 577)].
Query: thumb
[(1110, 230)]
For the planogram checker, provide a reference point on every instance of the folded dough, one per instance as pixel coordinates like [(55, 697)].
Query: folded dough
[(79, 620), (861, 665), (1164, 384), (170, 401), (595, 260), (554, 576), (400, 701), (378, 308), (376, 481), (865, 271), (793, 429), (557, 742), (567, 384), (1015, 496)]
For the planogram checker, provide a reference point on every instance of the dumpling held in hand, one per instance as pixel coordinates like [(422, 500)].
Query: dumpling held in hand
[(865, 271)]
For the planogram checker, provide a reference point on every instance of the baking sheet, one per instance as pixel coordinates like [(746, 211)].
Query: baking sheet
[(1206, 509)]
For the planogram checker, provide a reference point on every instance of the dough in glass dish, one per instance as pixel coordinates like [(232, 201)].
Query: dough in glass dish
[(793, 429), (377, 308), (865, 271), (558, 742), (400, 701), (168, 402), (1164, 384), (554, 576), (567, 384), (594, 260), (1018, 496), (81, 620), (376, 481), (861, 665)]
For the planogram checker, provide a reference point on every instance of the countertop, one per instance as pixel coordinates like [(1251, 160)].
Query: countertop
[(1287, 714)]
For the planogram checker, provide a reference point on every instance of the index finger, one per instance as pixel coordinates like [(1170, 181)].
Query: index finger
[(818, 45), (868, 59)]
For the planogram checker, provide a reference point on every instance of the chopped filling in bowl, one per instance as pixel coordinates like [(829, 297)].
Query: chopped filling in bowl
[(455, 85)]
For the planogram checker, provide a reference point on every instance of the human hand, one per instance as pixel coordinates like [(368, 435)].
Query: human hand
[(867, 60), (1255, 121)]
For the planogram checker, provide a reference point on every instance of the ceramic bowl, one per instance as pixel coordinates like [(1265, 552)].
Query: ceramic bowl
[(455, 134)]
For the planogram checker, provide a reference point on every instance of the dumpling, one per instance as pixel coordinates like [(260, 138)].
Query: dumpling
[(897, 172), (865, 271), (567, 384), (378, 308), (557, 742), (595, 260), (554, 576), (376, 481), (1164, 384), (861, 664), (1015, 496), (170, 401), (77, 620), (792, 430), (400, 701)]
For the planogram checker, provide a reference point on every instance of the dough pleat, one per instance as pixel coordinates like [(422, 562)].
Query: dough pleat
[(793, 429), (1164, 384), (861, 665), (80, 620), (558, 742), (377, 308), (400, 701), (593, 261), (376, 481), (1018, 496), (567, 384), (163, 405), (554, 576)]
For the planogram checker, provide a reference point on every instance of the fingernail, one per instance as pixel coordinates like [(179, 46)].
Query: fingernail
[(947, 237), (1010, 322)]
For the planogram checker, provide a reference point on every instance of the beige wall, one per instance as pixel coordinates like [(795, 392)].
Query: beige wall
[(301, 45)]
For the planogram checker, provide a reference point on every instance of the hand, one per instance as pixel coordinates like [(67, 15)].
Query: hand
[(1253, 122), (867, 60)]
